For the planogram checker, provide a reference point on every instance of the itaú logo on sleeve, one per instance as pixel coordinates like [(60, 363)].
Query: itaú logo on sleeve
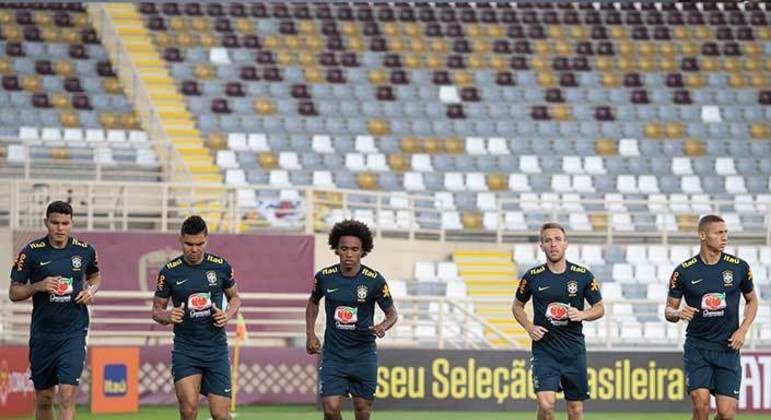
[(115, 380), (713, 305)]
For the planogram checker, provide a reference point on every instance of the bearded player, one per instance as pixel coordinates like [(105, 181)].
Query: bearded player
[(350, 291), (559, 289), (712, 283), (200, 285)]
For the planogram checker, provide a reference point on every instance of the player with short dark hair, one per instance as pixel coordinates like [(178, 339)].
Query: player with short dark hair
[(61, 274), (559, 289), (711, 283), (351, 290), (204, 297)]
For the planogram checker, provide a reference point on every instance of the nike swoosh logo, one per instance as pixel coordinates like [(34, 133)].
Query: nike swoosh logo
[(227, 390), (541, 289), (331, 290), (736, 391), (43, 263), (696, 281), (180, 282)]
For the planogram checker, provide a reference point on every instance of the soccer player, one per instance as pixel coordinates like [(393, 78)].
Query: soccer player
[(558, 289), (61, 275), (711, 283), (351, 289), (200, 285)]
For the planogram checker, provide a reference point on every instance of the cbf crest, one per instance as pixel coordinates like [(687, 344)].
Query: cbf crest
[(361, 293), (572, 288), (211, 277), (728, 278), (76, 262)]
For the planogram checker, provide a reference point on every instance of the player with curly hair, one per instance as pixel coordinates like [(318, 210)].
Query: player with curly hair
[(351, 289)]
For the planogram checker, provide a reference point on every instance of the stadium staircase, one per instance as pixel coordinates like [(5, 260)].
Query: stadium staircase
[(493, 274), (168, 109)]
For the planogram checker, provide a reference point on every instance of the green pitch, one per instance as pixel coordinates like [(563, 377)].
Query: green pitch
[(304, 412)]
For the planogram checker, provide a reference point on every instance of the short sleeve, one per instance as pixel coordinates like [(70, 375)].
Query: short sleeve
[(592, 292), (383, 295), (747, 280), (93, 264), (523, 289), (230, 277), (162, 288), (20, 271), (676, 285), (316, 291)]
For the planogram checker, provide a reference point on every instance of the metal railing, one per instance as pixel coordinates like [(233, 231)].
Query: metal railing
[(175, 169), (162, 207), (277, 319)]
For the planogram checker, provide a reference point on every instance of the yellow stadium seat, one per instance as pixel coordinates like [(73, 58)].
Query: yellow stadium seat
[(579, 33), (759, 80), (603, 63), (60, 153), (496, 31), (199, 24), (471, 220), (286, 58), (70, 35), (737, 81), (474, 31), (680, 33), (463, 78), (653, 130), (619, 32), (6, 66), (694, 147), (599, 221), (111, 85), (64, 68), (412, 29), (606, 147), (667, 50), (480, 46), (390, 29), (12, 33), (80, 19), (668, 64), (378, 127), (543, 48), (412, 61), (647, 64), (177, 23), (60, 100), (410, 144), (555, 32), (433, 145), (455, 146), (264, 106), (306, 27), (695, 80), (313, 75), (50, 34), (686, 222), (267, 160), (498, 63), (31, 83), (3, 152), (399, 162), (69, 118), (356, 44), (129, 121), (563, 48), (187, 40), (760, 130), (164, 39), (540, 63), (396, 44), (476, 61), (377, 77), (109, 120), (216, 141), (753, 65), (367, 181), (627, 64), (674, 130), (245, 26), (710, 64), (434, 61), (304, 58), (763, 33), (294, 42), (497, 181), (417, 45), (703, 33), (203, 72), (439, 46), (690, 49), (6, 17), (752, 49), (349, 28), (561, 113), (208, 40), (271, 42)]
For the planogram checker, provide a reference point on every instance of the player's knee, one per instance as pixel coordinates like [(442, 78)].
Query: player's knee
[(575, 410), (44, 399), (701, 406), (220, 415), (546, 405), (726, 413), (188, 410), (363, 409), (331, 408)]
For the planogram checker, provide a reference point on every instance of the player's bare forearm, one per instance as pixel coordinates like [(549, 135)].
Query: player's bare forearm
[(672, 310), (750, 310), (160, 314), (234, 301), (391, 316), (94, 282), (597, 311), (518, 310), (18, 292), (311, 313)]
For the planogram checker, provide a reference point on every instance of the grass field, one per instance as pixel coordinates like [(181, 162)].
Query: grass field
[(309, 412)]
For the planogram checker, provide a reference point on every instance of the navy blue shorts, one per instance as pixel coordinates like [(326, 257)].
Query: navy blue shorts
[(57, 361), (215, 373), (349, 379), (568, 375), (719, 372)]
